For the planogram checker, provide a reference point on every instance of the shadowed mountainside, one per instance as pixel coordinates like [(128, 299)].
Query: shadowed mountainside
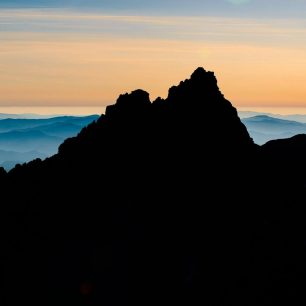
[(154, 203)]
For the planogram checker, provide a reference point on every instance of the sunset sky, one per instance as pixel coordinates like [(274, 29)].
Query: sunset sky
[(85, 53)]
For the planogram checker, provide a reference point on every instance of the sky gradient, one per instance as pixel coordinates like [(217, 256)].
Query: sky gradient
[(85, 53)]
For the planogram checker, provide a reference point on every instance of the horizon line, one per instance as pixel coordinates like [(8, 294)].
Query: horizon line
[(98, 110)]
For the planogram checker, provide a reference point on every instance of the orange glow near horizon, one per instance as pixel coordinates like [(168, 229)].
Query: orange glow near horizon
[(69, 69)]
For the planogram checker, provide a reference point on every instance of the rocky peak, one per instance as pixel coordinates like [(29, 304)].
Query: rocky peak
[(129, 103)]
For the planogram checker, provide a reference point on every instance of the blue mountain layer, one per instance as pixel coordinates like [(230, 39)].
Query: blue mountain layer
[(22, 140)]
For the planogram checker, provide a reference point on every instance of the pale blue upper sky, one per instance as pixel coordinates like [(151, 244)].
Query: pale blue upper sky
[(230, 8)]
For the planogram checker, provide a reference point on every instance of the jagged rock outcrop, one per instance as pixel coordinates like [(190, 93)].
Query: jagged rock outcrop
[(194, 111)]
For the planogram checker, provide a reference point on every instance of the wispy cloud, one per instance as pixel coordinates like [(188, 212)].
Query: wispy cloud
[(248, 30), (60, 57)]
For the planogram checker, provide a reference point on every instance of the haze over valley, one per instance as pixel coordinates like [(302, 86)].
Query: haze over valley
[(22, 140)]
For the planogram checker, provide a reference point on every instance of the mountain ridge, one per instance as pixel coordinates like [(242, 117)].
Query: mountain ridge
[(156, 202), (264, 128)]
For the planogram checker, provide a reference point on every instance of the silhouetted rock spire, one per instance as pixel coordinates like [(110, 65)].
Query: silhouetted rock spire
[(202, 105)]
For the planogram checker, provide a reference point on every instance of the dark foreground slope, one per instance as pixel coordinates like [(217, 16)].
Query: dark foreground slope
[(155, 203)]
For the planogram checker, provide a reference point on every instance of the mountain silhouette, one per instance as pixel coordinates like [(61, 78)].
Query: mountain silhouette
[(155, 203)]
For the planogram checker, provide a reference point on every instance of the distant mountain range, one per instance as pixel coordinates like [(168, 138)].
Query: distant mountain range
[(263, 128), (293, 117), (22, 140), (29, 136)]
